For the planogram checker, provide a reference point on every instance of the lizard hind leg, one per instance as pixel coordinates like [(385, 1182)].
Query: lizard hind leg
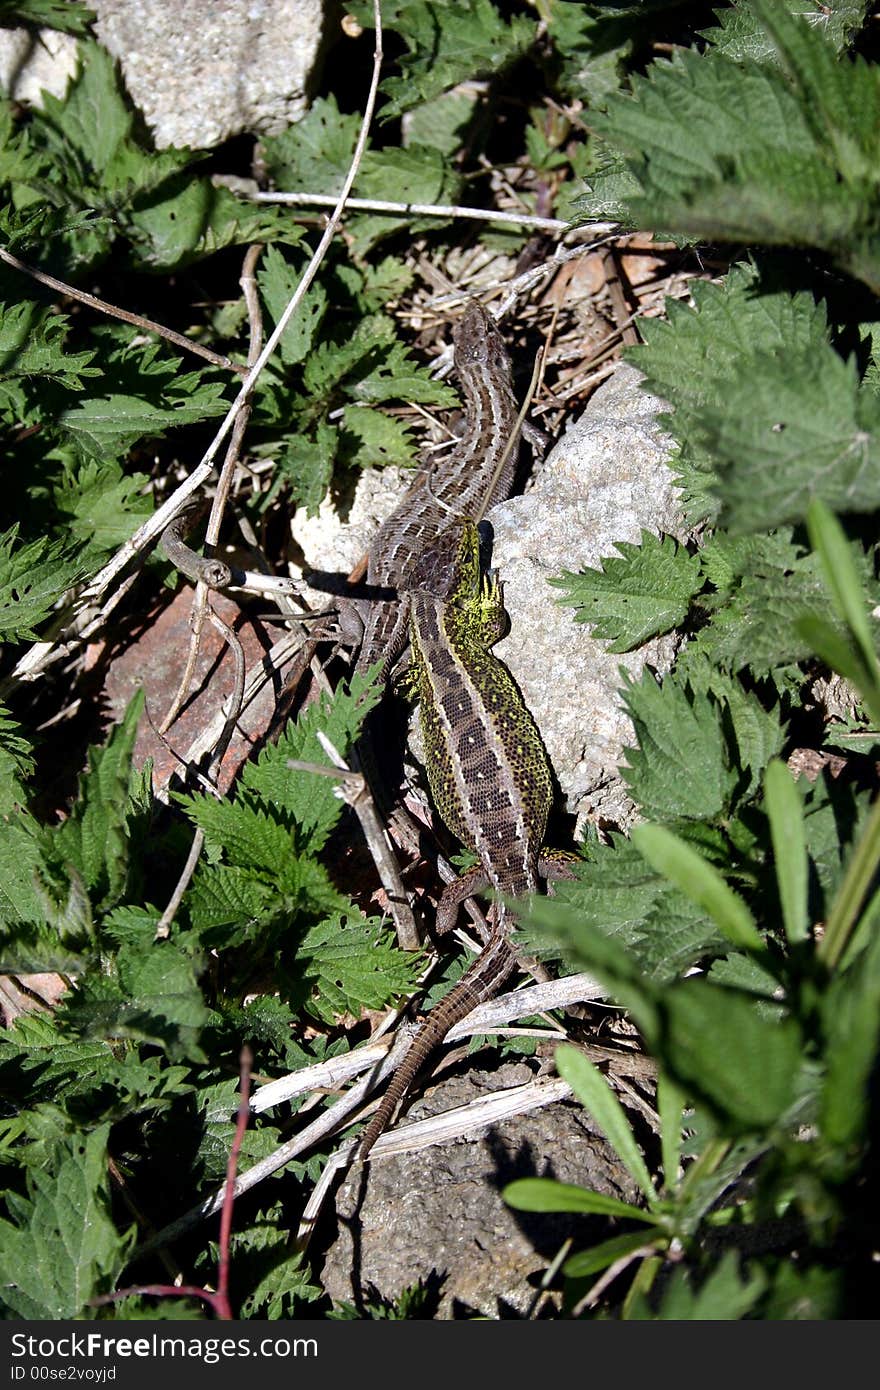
[(472, 881)]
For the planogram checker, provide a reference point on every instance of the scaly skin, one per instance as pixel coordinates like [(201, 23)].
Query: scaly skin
[(488, 773)]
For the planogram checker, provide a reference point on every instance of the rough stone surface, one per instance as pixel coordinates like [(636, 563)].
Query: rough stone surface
[(606, 478), (32, 63), (438, 1214), (200, 73)]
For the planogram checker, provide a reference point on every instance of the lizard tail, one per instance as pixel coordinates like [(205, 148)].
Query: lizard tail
[(482, 979)]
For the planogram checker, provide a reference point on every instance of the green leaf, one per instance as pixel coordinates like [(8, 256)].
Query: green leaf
[(546, 1194), (691, 358), (790, 430), (33, 577), (350, 964), (152, 995), (95, 837), (306, 465), (643, 593), (718, 1046), (16, 764), (375, 440), (743, 152), (595, 1094), (315, 152), (785, 814), (697, 878), (608, 1252), (681, 767), (278, 278), (102, 506), (851, 1020), (670, 1107), (448, 45), (741, 35), (61, 1247), (50, 14), (307, 796), (724, 1294), (849, 597)]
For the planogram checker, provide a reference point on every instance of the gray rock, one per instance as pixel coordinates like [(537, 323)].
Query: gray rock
[(439, 1214), (200, 73), (606, 479), (33, 63)]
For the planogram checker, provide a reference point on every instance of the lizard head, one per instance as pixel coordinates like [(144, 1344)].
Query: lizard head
[(478, 342)]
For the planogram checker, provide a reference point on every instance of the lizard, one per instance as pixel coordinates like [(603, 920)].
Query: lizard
[(477, 473), (488, 773)]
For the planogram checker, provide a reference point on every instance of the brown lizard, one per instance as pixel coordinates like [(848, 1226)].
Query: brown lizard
[(489, 778)]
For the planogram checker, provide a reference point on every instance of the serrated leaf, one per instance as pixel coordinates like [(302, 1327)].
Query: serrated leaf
[(95, 836), (372, 439), (690, 359), (278, 278), (700, 881), (681, 766), (315, 152), (62, 1248), (306, 465), (791, 430), (152, 995), (641, 594), (741, 151), (351, 964), (32, 343), (101, 505), (448, 45), (16, 763), (309, 797), (33, 577)]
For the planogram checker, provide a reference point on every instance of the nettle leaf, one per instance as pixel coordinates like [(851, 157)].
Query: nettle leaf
[(348, 964), (278, 277), (316, 152), (416, 174), (681, 766), (769, 586), (641, 594), (16, 763), (61, 1247), (619, 895), (690, 359), (755, 734), (101, 505), (395, 375), (742, 151), (32, 339), (740, 34), (305, 464), (308, 797), (51, 14), (152, 995), (373, 440), (792, 429), (190, 218), (448, 44), (95, 836), (33, 577)]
